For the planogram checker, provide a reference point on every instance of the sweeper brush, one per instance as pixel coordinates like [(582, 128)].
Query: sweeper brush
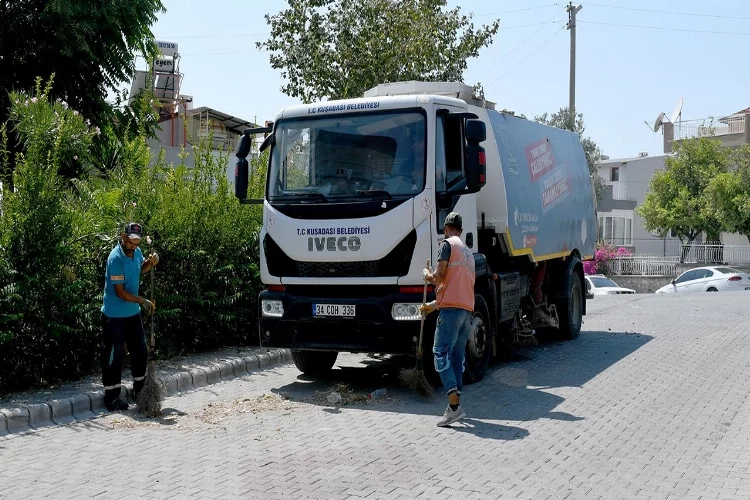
[(150, 398)]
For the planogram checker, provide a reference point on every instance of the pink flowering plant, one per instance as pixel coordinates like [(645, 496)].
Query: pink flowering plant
[(604, 254)]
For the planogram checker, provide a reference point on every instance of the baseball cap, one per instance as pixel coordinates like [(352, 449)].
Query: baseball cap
[(134, 231), (454, 219)]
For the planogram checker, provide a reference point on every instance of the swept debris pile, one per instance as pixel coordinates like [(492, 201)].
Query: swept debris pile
[(212, 414)]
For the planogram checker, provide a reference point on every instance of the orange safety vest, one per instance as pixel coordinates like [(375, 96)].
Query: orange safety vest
[(457, 288)]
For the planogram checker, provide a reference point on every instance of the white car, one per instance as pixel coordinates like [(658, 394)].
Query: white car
[(598, 284), (708, 279)]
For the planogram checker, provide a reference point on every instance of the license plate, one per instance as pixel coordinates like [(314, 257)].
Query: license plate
[(346, 311)]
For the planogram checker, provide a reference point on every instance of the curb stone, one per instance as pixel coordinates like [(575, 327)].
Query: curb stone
[(253, 364), (62, 411), (239, 366), (3, 424), (200, 379), (86, 406), (184, 381), (18, 420), (226, 370), (81, 407), (213, 374), (39, 414)]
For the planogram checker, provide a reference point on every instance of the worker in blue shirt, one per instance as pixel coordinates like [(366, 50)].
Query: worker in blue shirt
[(121, 315)]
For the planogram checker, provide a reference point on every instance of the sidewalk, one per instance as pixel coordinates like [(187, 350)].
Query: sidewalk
[(84, 399)]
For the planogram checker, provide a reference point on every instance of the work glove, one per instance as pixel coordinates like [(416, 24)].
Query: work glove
[(426, 309), (148, 306), (425, 273), (154, 258)]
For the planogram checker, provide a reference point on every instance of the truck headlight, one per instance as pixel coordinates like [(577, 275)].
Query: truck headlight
[(272, 308), (405, 312)]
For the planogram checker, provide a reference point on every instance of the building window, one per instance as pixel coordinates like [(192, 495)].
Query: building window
[(616, 230), (614, 174)]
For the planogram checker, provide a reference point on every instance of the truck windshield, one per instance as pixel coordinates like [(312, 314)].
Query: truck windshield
[(353, 157)]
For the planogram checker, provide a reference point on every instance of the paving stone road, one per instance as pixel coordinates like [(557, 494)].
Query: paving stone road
[(651, 401)]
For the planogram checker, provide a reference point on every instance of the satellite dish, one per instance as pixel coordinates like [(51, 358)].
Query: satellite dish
[(677, 113), (658, 122)]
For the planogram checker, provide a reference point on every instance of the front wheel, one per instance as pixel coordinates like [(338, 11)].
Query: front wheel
[(479, 344), (314, 362)]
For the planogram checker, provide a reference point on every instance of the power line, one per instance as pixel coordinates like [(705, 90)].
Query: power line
[(527, 56), (661, 28), (718, 16), (550, 20)]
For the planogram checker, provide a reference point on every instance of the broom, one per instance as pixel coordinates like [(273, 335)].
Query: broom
[(415, 378), (152, 394)]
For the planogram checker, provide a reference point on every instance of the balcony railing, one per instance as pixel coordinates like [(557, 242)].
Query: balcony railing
[(619, 190), (707, 127)]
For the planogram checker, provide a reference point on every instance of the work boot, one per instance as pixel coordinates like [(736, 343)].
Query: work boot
[(117, 405), (451, 416)]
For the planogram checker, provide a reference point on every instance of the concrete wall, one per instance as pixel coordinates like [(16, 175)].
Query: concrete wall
[(642, 284)]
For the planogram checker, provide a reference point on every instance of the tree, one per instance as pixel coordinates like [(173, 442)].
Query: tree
[(678, 200), (729, 193), (563, 120), (89, 45), (338, 49)]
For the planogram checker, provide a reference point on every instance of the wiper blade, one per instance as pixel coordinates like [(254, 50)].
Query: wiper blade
[(301, 194), (374, 193)]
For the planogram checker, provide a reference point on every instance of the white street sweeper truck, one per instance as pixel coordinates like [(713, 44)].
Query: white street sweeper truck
[(356, 195)]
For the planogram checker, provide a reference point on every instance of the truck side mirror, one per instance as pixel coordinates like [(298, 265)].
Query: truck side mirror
[(476, 159), (241, 170), (476, 131)]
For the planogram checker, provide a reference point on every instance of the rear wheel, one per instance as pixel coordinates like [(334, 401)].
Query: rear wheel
[(314, 362), (479, 345), (570, 310)]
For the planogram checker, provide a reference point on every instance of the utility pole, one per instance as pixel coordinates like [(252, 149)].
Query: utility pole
[(572, 11)]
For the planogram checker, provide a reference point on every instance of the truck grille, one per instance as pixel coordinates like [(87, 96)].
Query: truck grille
[(364, 269), (396, 263)]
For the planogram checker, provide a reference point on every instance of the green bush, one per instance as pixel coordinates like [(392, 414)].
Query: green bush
[(55, 236)]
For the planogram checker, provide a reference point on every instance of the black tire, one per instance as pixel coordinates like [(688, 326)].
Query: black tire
[(570, 310), (479, 345), (712, 289), (314, 362)]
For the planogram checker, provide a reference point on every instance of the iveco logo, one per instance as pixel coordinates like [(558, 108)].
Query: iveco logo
[(333, 244)]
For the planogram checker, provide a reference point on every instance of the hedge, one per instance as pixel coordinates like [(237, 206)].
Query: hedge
[(56, 233)]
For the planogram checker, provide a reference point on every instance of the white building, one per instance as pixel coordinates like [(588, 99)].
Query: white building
[(627, 182)]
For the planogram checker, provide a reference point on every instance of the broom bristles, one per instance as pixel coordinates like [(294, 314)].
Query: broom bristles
[(152, 394), (415, 379)]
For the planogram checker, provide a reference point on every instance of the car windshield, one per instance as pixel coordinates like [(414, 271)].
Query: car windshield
[(603, 283), (363, 156)]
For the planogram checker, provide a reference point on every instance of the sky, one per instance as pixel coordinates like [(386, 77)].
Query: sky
[(634, 58)]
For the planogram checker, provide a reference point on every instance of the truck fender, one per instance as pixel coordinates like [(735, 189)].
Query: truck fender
[(572, 264)]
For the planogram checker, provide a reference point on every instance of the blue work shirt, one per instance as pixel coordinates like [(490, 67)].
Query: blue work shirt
[(126, 271)]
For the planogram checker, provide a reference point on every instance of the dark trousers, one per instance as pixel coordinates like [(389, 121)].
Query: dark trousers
[(115, 333)]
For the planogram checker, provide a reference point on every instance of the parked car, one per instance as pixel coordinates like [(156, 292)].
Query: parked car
[(708, 279), (601, 285)]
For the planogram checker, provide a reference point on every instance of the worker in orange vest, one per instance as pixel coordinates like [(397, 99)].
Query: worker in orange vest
[(454, 285)]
